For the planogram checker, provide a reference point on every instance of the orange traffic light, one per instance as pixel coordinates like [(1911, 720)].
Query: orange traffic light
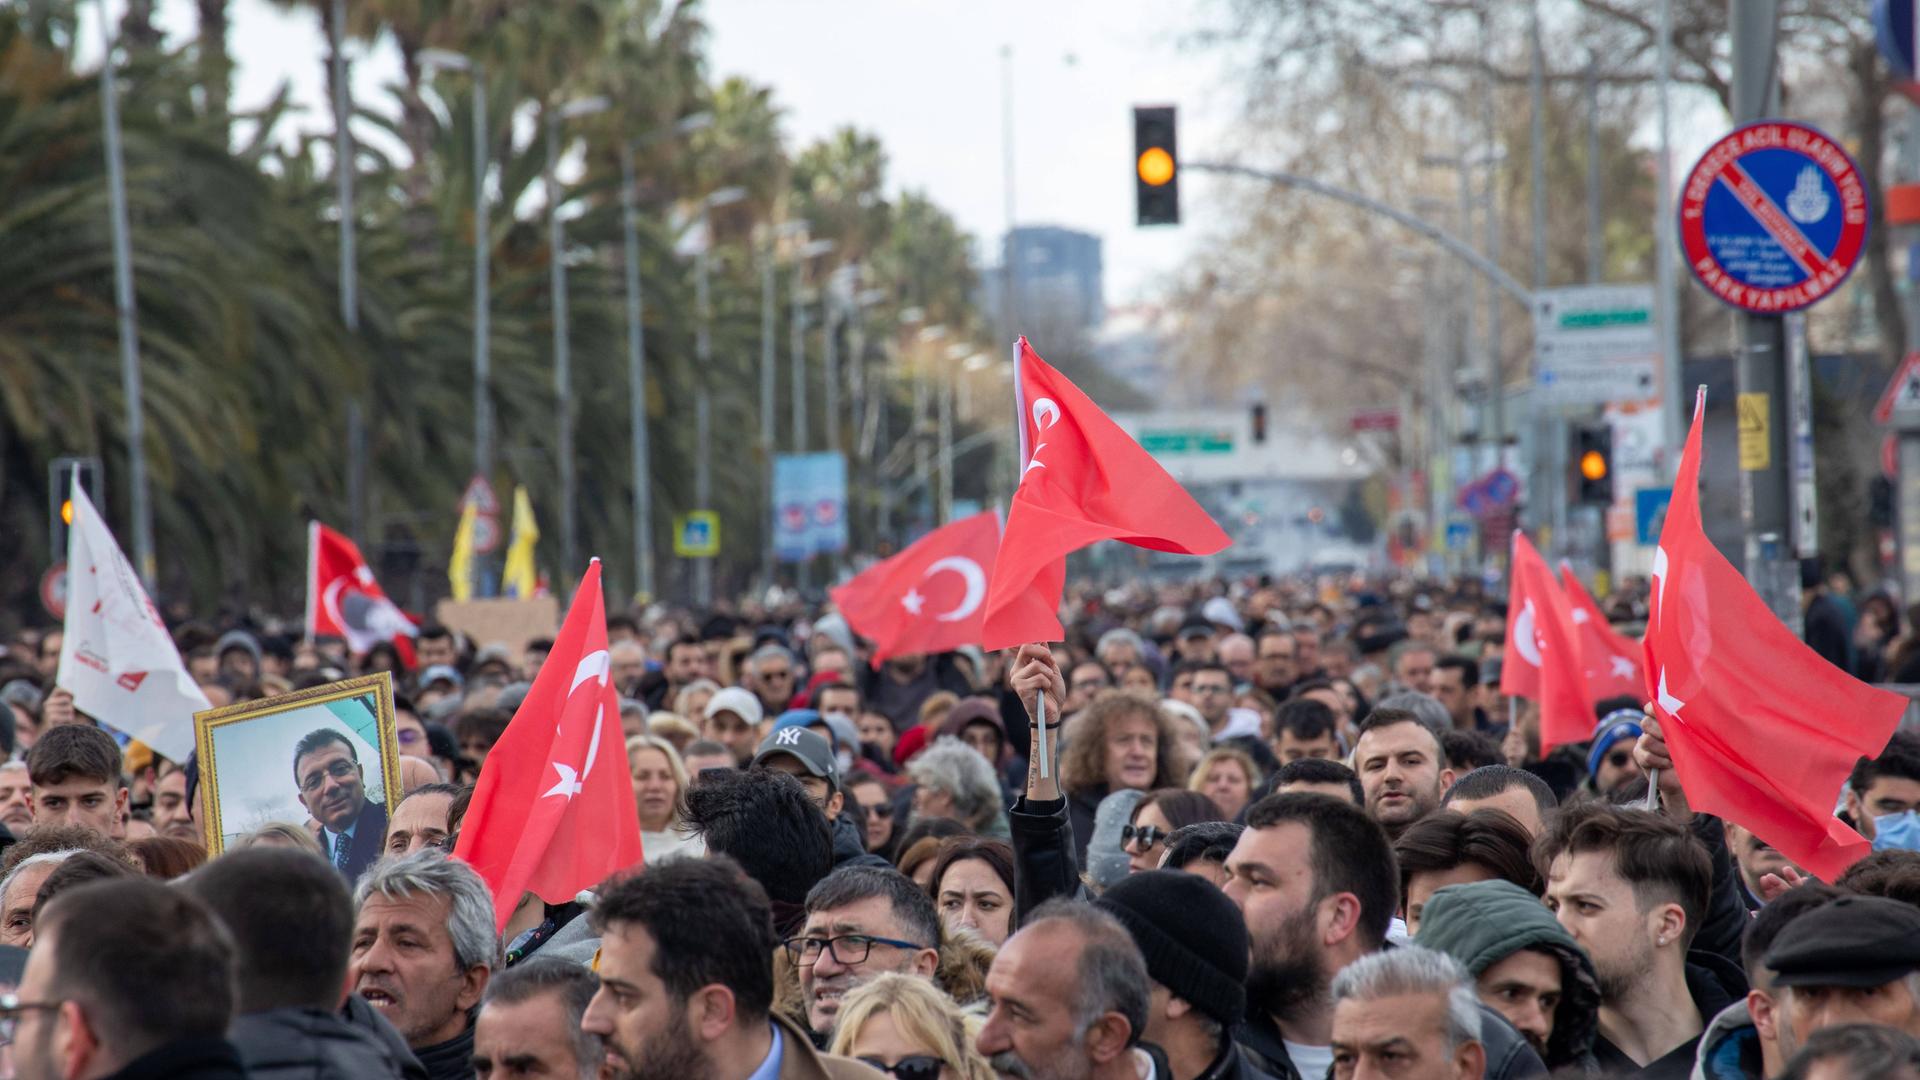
[(1156, 166), (1593, 465)]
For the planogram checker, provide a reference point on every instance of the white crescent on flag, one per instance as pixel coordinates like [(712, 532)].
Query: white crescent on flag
[(976, 580), (1524, 637)]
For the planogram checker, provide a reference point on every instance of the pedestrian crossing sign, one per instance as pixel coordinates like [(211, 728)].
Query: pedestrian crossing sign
[(696, 534)]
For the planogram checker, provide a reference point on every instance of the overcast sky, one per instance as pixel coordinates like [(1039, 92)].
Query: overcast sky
[(925, 75)]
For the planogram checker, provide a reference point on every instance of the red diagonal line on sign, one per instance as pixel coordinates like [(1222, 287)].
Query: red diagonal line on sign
[(1773, 219)]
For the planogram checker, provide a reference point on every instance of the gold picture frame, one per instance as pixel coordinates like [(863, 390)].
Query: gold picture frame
[(255, 745)]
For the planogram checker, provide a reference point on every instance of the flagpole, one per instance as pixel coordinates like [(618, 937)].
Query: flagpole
[(1040, 711)]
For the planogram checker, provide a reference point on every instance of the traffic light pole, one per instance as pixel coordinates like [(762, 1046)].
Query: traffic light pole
[(1760, 368)]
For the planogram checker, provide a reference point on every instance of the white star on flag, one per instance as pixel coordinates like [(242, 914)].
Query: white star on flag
[(913, 601), (1622, 667), (1671, 704)]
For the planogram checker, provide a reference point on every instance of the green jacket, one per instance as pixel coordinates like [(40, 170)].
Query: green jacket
[(1486, 922)]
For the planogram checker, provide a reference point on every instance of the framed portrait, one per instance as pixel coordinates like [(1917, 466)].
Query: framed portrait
[(324, 760)]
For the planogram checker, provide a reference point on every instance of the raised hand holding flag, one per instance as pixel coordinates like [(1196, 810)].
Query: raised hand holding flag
[(553, 812), (1762, 730)]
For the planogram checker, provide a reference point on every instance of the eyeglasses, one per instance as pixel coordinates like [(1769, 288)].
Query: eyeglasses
[(883, 811), (772, 675), (10, 1009), (849, 949), (912, 1067), (339, 770), (1145, 835), (1198, 689)]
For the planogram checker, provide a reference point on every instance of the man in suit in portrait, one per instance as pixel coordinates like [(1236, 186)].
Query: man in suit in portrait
[(351, 828)]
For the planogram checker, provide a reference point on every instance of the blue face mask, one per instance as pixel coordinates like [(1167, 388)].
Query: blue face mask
[(1897, 832)]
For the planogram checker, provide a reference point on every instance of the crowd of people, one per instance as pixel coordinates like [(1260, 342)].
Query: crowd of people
[(1274, 829)]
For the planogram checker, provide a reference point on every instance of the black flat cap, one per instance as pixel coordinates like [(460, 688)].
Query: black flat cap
[(1853, 941)]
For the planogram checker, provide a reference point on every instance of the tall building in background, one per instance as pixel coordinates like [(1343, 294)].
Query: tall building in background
[(1055, 270)]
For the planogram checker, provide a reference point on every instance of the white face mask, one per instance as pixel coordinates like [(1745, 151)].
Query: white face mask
[(844, 759)]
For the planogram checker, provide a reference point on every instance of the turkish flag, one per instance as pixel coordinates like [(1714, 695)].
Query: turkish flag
[(345, 601), (928, 598), (1612, 658), (1082, 480), (553, 811), (1542, 661), (1762, 730)]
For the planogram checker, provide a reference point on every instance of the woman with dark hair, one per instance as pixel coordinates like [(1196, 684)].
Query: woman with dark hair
[(164, 858), (1121, 741), (972, 885), (383, 656), (1154, 819), (920, 844)]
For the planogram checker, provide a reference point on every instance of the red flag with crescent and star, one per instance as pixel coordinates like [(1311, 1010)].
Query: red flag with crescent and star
[(1612, 658), (1542, 662), (345, 601), (1082, 480), (928, 598), (1763, 731), (553, 811)]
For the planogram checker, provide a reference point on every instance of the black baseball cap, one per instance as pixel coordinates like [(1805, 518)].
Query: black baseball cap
[(1858, 941)]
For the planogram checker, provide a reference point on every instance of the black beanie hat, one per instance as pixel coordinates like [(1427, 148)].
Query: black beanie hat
[(1193, 938)]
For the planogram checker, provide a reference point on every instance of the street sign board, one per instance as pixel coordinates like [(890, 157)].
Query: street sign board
[(1893, 27), (1650, 513), (1900, 401), (486, 515), (696, 534), (1491, 493), (1377, 419), (1773, 217), (53, 590), (1595, 345), (1186, 441)]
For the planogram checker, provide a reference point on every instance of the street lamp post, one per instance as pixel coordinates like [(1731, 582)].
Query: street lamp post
[(702, 399), (129, 318), (482, 257), (562, 358), (637, 354)]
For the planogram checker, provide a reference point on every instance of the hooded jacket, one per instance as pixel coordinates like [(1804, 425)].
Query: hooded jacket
[(1009, 766), (314, 1044), (850, 844), (1730, 1047), (1485, 922)]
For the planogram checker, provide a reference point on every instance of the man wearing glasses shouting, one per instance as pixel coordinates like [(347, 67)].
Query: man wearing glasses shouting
[(862, 921), (351, 828)]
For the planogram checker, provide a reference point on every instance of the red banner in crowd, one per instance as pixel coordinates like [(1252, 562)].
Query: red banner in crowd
[(1612, 659), (343, 599), (1762, 730), (1542, 660), (553, 812), (929, 598), (1082, 480)]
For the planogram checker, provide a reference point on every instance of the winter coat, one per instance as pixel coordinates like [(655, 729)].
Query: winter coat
[(850, 844), (357, 1012), (1044, 865), (314, 1044), (1484, 923), (800, 1061), (187, 1059), (1730, 1047), (1509, 1057)]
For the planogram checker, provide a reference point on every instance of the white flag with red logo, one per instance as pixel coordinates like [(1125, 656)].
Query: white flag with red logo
[(553, 812), (116, 656), (343, 599)]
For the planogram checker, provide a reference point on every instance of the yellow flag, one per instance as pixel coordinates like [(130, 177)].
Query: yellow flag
[(460, 566), (519, 578)]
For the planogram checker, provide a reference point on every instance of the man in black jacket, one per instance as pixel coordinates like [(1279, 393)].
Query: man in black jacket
[(351, 828), (291, 920), (105, 994)]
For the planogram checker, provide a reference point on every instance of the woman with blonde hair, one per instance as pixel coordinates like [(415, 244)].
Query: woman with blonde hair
[(1227, 775), (905, 1027), (659, 794)]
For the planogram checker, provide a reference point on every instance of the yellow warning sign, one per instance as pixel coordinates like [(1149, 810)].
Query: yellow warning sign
[(1755, 444)]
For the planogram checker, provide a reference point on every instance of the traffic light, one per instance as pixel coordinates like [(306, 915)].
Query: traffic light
[(60, 476), (1593, 466), (1156, 166), (1258, 417)]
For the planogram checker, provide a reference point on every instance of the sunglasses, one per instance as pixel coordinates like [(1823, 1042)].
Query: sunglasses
[(1145, 835), (912, 1067), (883, 811), (1619, 758)]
